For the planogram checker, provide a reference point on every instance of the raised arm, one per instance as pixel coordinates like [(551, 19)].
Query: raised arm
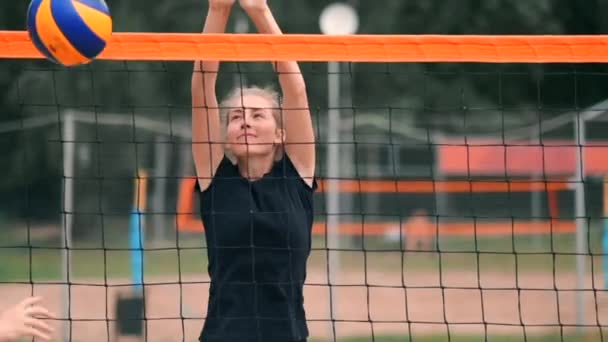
[(207, 149), (300, 137)]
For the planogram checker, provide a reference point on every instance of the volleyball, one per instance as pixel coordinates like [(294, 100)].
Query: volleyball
[(69, 32)]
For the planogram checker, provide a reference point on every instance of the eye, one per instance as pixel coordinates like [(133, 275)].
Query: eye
[(258, 114), (235, 116)]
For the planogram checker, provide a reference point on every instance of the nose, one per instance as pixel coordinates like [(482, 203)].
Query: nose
[(245, 123)]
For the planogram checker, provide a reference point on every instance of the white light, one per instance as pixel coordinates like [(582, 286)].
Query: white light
[(339, 19)]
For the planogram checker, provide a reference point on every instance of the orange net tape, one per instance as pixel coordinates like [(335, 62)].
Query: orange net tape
[(352, 48)]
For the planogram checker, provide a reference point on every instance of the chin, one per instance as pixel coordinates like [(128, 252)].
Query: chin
[(251, 151)]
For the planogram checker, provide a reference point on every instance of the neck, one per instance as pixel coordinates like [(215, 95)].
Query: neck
[(255, 167)]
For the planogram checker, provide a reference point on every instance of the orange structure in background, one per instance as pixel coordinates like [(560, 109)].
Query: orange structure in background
[(490, 157), (189, 221)]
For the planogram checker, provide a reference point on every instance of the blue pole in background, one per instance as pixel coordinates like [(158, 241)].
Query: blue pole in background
[(136, 247), (136, 229)]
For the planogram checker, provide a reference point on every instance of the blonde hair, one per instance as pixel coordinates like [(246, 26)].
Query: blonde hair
[(268, 93)]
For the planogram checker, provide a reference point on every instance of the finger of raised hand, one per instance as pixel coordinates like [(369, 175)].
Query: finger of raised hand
[(30, 331), (40, 312), (30, 301), (39, 325)]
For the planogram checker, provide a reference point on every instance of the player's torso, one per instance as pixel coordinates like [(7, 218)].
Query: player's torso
[(257, 231), (258, 239)]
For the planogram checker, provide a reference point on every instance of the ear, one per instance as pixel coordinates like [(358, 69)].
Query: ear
[(280, 136)]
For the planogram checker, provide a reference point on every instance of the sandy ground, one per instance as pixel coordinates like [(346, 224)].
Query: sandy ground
[(369, 304)]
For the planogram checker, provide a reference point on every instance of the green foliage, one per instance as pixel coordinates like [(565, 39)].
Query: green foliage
[(442, 95)]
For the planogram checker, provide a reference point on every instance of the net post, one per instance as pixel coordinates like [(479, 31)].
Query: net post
[(68, 147), (581, 222), (335, 19), (333, 201)]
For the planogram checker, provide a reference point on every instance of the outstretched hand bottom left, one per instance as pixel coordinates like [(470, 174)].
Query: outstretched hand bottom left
[(26, 319)]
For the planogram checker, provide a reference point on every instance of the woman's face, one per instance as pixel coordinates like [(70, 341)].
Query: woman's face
[(251, 129)]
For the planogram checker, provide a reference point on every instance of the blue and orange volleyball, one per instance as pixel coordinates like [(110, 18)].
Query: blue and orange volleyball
[(69, 32)]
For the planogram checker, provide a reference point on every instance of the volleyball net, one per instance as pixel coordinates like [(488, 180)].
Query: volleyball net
[(462, 184)]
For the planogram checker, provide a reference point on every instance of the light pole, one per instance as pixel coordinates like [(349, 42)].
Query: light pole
[(336, 19), (241, 25)]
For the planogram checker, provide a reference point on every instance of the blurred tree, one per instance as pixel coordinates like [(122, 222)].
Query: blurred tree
[(434, 94)]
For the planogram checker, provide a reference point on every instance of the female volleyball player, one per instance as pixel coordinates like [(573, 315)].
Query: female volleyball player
[(25, 320), (256, 180)]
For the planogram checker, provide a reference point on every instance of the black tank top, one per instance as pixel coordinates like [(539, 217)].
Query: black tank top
[(258, 238)]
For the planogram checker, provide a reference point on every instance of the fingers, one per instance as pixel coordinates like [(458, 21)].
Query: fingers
[(40, 312), (39, 325), (30, 308), (30, 301), (33, 323), (30, 331)]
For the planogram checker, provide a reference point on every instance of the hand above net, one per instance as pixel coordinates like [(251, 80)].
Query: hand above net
[(25, 319)]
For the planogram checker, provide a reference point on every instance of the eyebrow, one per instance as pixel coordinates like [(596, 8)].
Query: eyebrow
[(240, 109)]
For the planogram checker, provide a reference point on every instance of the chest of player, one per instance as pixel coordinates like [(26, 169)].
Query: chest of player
[(264, 213)]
